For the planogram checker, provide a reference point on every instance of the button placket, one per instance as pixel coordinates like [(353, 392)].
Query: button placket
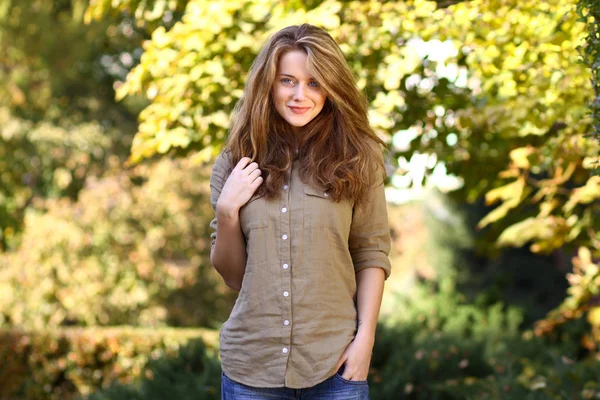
[(284, 261)]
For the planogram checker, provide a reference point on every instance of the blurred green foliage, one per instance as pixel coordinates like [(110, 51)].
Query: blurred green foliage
[(59, 120), (437, 347), (441, 347), (589, 12), (189, 374), (61, 364), (46, 160), (90, 242), (133, 249)]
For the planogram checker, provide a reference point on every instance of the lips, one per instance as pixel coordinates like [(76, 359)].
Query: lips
[(299, 110)]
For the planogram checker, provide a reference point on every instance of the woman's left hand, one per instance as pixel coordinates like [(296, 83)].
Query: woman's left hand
[(357, 358)]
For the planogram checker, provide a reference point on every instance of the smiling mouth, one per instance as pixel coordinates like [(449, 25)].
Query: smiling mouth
[(299, 110)]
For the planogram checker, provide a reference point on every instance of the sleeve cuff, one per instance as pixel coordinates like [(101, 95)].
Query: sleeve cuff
[(372, 259)]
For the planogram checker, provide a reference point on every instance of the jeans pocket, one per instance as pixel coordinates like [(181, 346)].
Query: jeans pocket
[(338, 375)]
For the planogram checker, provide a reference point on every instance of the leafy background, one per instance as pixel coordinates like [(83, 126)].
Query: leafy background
[(111, 113)]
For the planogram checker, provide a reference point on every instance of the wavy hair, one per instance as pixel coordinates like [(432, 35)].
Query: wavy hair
[(338, 149)]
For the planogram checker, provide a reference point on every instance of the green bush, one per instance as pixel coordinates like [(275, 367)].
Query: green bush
[(132, 250), (187, 375), (49, 160), (440, 347), (60, 364)]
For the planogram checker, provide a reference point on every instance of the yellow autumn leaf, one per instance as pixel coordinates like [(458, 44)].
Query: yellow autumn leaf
[(519, 156), (585, 194), (593, 316)]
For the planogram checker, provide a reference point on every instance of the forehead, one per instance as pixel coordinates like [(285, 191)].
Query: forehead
[(294, 63)]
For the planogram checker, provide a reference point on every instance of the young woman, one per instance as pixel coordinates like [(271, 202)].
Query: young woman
[(300, 226)]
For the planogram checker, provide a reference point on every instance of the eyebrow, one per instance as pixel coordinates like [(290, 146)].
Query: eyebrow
[(292, 76)]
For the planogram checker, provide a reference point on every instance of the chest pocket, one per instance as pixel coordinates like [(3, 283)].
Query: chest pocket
[(253, 215), (321, 211)]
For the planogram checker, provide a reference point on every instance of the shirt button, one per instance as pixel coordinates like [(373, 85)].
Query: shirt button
[(285, 350), (286, 187), (284, 237), (286, 322), (284, 209), (285, 266), (286, 293)]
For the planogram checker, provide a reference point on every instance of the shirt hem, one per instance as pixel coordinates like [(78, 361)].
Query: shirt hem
[(242, 379)]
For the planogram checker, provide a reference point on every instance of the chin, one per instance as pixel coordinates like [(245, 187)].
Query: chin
[(299, 124)]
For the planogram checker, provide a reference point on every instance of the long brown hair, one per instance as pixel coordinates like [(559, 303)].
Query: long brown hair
[(337, 150)]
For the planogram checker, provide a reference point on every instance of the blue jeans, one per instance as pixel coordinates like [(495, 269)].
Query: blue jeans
[(333, 388)]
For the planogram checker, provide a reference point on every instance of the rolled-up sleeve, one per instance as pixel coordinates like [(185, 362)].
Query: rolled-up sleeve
[(369, 240), (217, 181)]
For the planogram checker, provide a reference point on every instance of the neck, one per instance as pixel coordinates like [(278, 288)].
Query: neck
[(297, 130)]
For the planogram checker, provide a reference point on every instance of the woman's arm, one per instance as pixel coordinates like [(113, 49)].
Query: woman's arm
[(228, 195), (369, 244), (369, 291), (357, 356), (228, 255)]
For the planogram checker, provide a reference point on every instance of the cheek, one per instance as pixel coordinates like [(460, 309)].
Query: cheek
[(279, 100), (279, 94), (275, 94), (320, 101)]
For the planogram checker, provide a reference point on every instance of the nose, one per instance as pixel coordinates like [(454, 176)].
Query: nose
[(299, 92)]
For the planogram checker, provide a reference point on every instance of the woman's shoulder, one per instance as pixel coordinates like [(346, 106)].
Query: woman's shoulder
[(376, 170), (223, 160), (222, 166)]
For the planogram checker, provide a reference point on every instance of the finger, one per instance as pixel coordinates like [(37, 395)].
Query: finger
[(251, 167), (348, 374), (255, 174), (257, 182), (243, 162)]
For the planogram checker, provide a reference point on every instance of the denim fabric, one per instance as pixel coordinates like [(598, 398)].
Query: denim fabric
[(333, 388)]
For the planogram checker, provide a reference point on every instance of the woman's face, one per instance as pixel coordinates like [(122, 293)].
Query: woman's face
[(298, 97)]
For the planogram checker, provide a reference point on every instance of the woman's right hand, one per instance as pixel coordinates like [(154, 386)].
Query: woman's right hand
[(240, 186)]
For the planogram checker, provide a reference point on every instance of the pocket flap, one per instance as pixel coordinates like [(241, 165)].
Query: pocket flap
[(316, 191)]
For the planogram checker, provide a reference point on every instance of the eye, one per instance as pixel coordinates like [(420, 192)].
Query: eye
[(286, 81), (314, 84)]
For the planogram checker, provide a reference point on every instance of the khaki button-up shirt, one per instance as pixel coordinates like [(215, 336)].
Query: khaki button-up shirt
[(295, 312)]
